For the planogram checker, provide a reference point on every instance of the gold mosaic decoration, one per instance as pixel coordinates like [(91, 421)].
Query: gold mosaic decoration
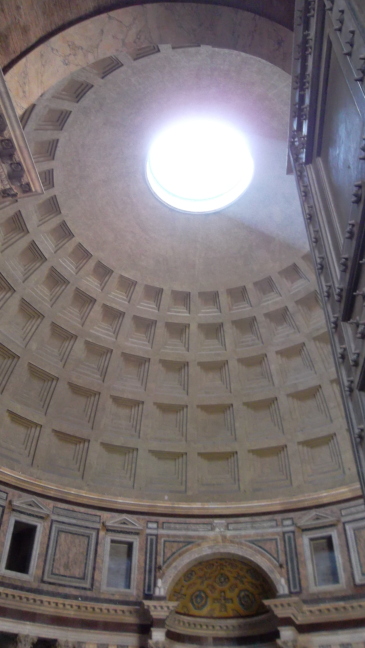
[(221, 588)]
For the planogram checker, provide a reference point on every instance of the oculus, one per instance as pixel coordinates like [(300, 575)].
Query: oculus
[(199, 165)]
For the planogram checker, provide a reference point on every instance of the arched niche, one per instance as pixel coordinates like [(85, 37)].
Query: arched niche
[(223, 588), (208, 552)]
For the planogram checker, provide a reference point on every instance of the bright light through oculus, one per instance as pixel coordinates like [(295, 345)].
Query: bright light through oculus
[(199, 165)]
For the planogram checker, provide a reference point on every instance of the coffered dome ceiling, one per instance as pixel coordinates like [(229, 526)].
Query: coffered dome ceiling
[(154, 355)]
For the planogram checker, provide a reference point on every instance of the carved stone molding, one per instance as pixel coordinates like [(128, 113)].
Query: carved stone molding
[(315, 520), (30, 506), (227, 550), (123, 523), (67, 607), (159, 609), (320, 498), (237, 627), (304, 613)]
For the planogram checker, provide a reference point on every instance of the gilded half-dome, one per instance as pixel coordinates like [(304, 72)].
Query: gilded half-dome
[(221, 588)]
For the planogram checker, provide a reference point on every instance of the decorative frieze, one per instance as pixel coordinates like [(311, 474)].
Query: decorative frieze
[(235, 627), (64, 607)]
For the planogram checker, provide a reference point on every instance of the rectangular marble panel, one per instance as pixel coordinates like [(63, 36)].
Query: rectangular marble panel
[(292, 562), (71, 555)]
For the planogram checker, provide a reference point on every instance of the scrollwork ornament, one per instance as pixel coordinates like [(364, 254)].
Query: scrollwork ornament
[(359, 434), (349, 386), (357, 193), (361, 74), (311, 8), (339, 20)]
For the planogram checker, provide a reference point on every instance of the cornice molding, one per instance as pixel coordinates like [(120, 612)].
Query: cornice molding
[(29, 506), (159, 609), (323, 612), (123, 524), (311, 500), (97, 611), (315, 520), (236, 627)]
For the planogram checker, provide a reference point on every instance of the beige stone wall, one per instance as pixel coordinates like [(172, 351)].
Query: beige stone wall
[(70, 553)]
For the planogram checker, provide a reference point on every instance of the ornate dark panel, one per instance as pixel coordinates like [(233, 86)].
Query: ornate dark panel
[(327, 151)]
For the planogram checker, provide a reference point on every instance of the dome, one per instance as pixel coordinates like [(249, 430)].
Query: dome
[(175, 461), (155, 356)]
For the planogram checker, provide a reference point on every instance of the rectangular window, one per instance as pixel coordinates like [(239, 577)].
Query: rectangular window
[(119, 565), (21, 547), (325, 568)]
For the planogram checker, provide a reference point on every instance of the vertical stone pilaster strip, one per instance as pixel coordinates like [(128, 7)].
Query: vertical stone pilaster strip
[(150, 564), (292, 562)]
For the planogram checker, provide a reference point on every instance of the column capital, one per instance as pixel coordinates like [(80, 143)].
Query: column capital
[(159, 609)]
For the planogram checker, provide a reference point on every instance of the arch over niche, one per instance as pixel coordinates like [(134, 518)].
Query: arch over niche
[(230, 550), (135, 31)]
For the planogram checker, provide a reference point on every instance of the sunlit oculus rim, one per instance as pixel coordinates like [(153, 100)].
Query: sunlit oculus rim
[(199, 165)]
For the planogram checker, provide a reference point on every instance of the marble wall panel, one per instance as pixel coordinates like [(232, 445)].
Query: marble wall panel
[(126, 30), (71, 555)]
